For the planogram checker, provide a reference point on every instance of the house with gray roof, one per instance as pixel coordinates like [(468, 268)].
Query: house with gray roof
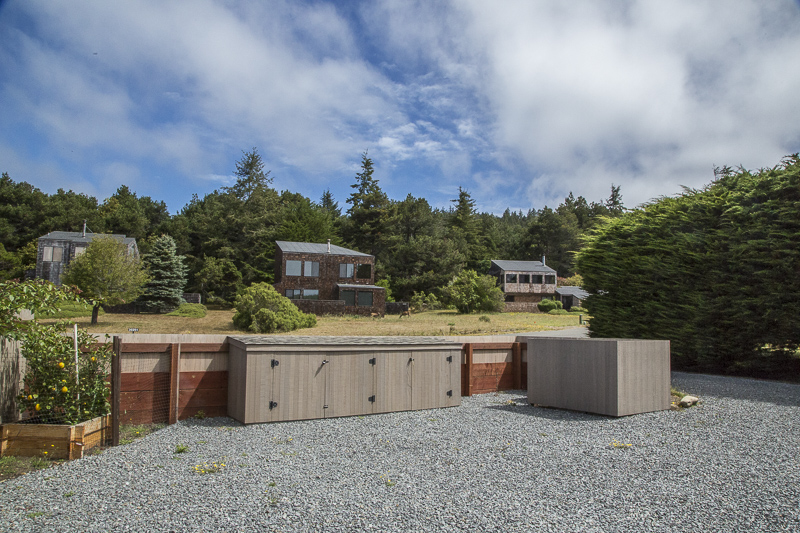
[(524, 283), (323, 278), (58, 248), (571, 296)]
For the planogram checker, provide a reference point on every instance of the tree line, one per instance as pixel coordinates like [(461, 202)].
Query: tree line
[(228, 236)]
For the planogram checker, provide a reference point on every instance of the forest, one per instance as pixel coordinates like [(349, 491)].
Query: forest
[(228, 236)]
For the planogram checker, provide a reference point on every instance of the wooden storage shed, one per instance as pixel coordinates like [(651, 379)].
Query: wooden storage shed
[(279, 378)]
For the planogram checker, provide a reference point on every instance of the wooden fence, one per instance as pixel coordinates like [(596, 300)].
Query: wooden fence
[(493, 366)]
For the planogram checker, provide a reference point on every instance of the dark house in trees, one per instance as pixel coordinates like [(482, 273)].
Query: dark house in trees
[(327, 279), (58, 248), (524, 283)]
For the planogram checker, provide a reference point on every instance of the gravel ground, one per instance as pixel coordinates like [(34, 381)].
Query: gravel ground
[(494, 464)]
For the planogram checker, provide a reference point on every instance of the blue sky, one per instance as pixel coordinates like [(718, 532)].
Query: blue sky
[(519, 102)]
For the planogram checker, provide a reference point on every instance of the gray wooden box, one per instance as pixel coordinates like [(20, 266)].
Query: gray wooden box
[(273, 379), (615, 377)]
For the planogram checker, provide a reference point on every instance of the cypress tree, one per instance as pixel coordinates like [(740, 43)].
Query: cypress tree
[(168, 276)]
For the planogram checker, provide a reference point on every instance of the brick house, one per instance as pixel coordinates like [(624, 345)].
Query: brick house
[(327, 279), (58, 248), (524, 283)]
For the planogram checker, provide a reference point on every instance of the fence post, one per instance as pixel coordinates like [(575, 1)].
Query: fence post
[(116, 385), (468, 360), (174, 382), (516, 359)]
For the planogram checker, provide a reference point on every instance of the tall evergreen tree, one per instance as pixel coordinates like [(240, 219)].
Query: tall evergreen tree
[(164, 292), (369, 211)]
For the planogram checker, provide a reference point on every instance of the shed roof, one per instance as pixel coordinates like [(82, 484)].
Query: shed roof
[(356, 286), (300, 340), (77, 236), (572, 291), (523, 266), (316, 248)]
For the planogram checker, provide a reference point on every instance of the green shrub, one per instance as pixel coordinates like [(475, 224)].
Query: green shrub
[(469, 292), (190, 311), (547, 305), (558, 312), (424, 302), (578, 309), (484, 318), (261, 309)]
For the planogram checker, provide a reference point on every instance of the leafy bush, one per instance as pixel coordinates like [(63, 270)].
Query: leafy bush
[(190, 311), (261, 309), (484, 318), (424, 302), (469, 292), (558, 312), (54, 390), (547, 305), (578, 309)]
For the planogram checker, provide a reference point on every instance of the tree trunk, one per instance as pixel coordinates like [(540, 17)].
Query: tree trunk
[(95, 312)]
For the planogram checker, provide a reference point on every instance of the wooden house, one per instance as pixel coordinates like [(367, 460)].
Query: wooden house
[(524, 283), (327, 279), (58, 248), (571, 296)]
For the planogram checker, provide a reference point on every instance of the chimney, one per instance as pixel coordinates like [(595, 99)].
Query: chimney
[(543, 263), (84, 229), (329, 246)]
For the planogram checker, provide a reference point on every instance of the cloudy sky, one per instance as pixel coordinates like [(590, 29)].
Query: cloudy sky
[(519, 102)]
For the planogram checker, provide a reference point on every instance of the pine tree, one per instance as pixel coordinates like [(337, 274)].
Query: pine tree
[(168, 276)]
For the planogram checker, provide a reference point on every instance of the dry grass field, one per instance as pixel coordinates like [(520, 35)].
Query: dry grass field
[(219, 322)]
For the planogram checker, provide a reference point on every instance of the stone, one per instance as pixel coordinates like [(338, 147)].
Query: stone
[(688, 401)]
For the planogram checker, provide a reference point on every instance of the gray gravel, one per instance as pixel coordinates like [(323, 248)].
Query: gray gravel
[(493, 464)]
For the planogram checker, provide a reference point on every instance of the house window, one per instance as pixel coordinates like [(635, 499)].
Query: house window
[(349, 297), (53, 253), (311, 269), (293, 268), (79, 251), (310, 294), (511, 278), (536, 278), (364, 272), (524, 278), (293, 294), (550, 280), (509, 297), (346, 270), (364, 299)]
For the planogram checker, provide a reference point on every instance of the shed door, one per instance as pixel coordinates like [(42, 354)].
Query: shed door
[(393, 382), (350, 385), (431, 380), (298, 387)]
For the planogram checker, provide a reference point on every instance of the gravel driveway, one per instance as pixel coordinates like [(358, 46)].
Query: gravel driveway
[(493, 464)]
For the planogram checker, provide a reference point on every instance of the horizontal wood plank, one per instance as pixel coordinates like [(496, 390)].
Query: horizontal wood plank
[(477, 346), (208, 412), (144, 417), (198, 347), (144, 400), (146, 347), (202, 398), (144, 381), (204, 380)]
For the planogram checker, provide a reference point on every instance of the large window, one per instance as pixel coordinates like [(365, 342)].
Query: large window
[(524, 278), (365, 298), (53, 253), (511, 278), (311, 269), (536, 278), (310, 294), (293, 294), (346, 270), (550, 280), (364, 272), (349, 297), (293, 268)]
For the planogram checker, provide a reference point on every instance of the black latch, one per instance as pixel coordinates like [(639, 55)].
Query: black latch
[(449, 358), (373, 361), (410, 359), (324, 406), (324, 361), (275, 363), (450, 392), (272, 405), (372, 398)]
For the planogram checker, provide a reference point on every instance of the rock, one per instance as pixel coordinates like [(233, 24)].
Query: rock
[(688, 401)]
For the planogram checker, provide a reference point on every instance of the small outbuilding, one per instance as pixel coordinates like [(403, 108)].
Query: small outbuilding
[(571, 296)]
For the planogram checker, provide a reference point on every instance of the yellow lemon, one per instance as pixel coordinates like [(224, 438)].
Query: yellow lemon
[(93, 359), (37, 407), (64, 389), (30, 396), (60, 365)]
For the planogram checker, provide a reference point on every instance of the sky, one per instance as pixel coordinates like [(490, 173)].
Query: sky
[(517, 102)]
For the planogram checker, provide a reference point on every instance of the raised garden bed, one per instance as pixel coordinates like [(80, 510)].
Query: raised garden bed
[(54, 441)]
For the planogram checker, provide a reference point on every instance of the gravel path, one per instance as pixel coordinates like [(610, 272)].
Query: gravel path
[(493, 464)]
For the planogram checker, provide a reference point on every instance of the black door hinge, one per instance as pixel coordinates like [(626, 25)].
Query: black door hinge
[(273, 405), (274, 363), (372, 398)]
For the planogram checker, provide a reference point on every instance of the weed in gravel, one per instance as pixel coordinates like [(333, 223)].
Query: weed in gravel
[(387, 480), (69, 494), (208, 468), (616, 444), (36, 514), (181, 448), (40, 462), (200, 415)]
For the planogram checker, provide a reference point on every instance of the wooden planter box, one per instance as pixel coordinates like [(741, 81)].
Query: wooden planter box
[(59, 441)]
